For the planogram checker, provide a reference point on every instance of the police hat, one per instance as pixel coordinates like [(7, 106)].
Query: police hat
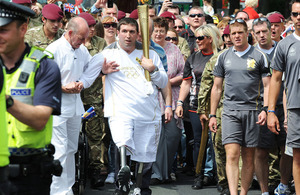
[(12, 11)]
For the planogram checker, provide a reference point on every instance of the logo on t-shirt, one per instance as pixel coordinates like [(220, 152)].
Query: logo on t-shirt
[(251, 64)]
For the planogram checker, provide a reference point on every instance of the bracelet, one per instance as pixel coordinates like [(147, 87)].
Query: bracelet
[(168, 106), (271, 111), (102, 73), (265, 108), (179, 101)]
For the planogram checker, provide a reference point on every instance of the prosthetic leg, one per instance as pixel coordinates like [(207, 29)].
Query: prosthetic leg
[(123, 177), (139, 178)]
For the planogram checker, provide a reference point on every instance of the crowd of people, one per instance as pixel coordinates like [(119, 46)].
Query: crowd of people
[(217, 92)]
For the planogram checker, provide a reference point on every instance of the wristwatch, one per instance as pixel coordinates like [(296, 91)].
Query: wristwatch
[(9, 102), (155, 70), (212, 115)]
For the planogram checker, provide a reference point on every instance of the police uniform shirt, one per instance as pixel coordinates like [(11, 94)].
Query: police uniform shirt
[(47, 83), (193, 69), (242, 75), (287, 59)]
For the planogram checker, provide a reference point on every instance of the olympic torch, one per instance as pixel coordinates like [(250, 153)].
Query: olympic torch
[(143, 12)]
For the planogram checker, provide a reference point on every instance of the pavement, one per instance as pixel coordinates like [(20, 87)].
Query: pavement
[(180, 187)]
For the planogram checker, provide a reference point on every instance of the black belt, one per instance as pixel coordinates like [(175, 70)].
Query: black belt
[(3, 174), (16, 170)]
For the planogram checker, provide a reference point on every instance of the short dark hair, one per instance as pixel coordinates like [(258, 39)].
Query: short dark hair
[(161, 22), (126, 21), (174, 6), (261, 20), (292, 2), (241, 12)]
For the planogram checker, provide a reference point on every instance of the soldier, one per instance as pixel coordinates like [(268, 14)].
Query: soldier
[(96, 130), (34, 20), (203, 111), (277, 25), (34, 94), (43, 35)]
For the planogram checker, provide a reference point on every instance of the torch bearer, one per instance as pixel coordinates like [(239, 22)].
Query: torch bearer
[(143, 12)]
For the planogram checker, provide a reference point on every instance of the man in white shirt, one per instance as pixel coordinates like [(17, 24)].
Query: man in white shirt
[(78, 70), (131, 103)]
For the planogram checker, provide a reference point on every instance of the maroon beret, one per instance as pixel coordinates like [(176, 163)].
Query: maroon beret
[(22, 1), (276, 18), (52, 12), (226, 30), (134, 14), (88, 17), (167, 14), (121, 15)]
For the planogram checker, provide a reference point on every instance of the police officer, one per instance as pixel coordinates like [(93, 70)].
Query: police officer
[(3, 138), (43, 35), (33, 86)]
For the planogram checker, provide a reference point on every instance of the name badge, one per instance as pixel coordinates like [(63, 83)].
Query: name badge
[(20, 92)]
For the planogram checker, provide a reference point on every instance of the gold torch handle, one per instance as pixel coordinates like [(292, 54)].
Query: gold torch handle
[(144, 24)]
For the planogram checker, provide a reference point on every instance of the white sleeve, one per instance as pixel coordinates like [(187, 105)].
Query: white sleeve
[(92, 70), (159, 78)]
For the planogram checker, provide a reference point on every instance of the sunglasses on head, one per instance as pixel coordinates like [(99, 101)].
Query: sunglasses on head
[(200, 38), (194, 15), (114, 25), (178, 27), (237, 20), (295, 14), (171, 38), (262, 19)]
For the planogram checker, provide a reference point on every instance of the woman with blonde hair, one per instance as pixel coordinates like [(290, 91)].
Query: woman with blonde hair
[(250, 8), (208, 44), (110, 29)]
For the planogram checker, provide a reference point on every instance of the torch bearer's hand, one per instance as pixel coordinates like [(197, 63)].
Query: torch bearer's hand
[(147, 64)]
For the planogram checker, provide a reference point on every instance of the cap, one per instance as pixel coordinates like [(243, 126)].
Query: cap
[(11, 11), (121, 15), (52, 12), (88, 17), (216, 20), (226, 30), (168, 15), (276, 18), (134, 14), (23, 1)]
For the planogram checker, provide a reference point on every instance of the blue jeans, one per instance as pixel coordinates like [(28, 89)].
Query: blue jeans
[(209, 157)]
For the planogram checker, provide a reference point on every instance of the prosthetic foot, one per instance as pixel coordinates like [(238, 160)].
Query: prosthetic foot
[(123, 177)]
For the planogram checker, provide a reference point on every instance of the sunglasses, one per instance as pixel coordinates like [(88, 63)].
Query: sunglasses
[(114, 25), (295, 14), (200, 38), (237, 20), (171, 38), (178, 27), (194, 15), (263, 19)]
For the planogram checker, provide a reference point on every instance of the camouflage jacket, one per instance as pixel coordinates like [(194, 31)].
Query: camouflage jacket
[(207, 83), (35, 21), (94, 94), (184, 47), (36, 37)]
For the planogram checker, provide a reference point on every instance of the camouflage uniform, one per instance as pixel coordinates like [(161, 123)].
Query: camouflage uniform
[(204, 108), (35, 21), (36, 37), (184, 47), (96, 129), (274, 173)]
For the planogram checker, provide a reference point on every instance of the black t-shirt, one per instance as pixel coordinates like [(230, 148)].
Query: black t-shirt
[(193, 69), (47, 83)]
